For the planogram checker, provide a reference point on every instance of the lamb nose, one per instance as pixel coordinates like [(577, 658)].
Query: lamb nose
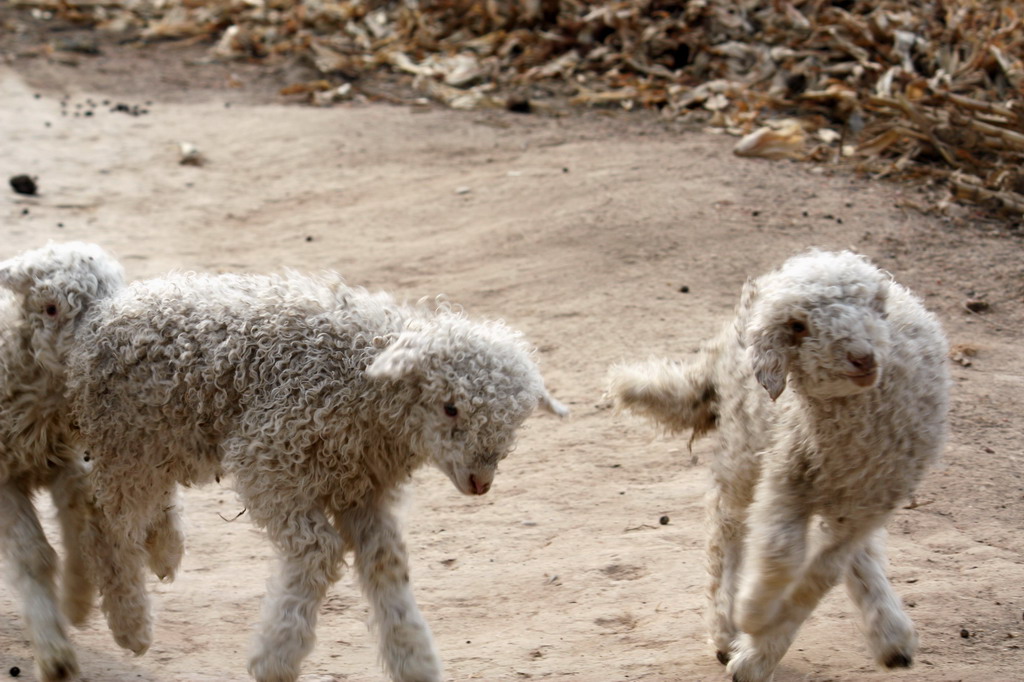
[(478, 487), (864, 363)]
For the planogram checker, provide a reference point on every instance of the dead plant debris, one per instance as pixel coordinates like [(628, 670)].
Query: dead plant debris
[(932, 91)]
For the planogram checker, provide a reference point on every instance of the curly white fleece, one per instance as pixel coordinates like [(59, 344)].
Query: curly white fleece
[(320, 400), (865, 417)]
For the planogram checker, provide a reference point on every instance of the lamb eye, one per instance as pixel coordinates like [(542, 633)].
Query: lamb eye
[(798, 327), (451, 410), (51, 310)]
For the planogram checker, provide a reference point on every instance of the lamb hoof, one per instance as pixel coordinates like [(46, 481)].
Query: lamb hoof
[(135, 643), (58, 671), (748, 665), (722, 656), (265, 668), (56, 662), (899, 660), (164, 564), (166, 548)]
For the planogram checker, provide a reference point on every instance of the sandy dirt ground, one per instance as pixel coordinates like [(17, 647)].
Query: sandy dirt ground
[(605, 237)]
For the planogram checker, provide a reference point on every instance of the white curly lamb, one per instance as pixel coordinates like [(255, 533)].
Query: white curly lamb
[(320, 400), (44, 295), (865, 417)]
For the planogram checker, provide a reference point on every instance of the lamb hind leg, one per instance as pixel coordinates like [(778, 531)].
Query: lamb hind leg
[(725, 551), (33, 565), (407, 646)]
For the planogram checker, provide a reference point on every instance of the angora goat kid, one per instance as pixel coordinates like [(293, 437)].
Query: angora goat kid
[(864, 418), (47, 293), (320, 400)]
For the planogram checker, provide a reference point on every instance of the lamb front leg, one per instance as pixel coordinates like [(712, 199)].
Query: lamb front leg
[(774, 552), (758, 653), (407, 646), (118, 557), (33, 564), (127, 499), (165, 540), (888, 629), (311, 552), (75, 512)]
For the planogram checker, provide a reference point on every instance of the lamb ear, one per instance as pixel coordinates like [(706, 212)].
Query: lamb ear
[(548, 403), (770, 361), (403, 358)]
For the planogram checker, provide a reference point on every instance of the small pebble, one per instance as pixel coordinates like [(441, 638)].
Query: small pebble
[(964, 633), (684, 289), (663, 520), (15, 671), (309, 238)]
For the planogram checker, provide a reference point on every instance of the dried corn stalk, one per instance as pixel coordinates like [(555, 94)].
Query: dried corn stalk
[(931, 88), (784, 142)]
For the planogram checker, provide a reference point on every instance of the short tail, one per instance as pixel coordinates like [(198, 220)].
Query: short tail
[(676, 396)]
